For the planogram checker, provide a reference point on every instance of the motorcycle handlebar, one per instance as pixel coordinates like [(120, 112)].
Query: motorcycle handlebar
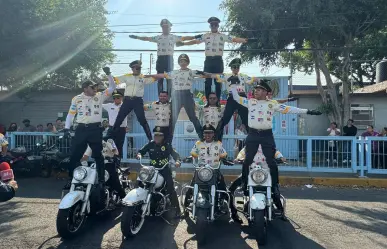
[(165, 165)]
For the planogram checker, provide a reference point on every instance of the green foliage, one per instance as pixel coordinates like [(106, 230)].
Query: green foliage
[(45, 43)]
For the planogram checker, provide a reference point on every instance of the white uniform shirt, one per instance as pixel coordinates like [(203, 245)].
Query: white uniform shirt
[(134, 85), (3, 142), (166, 43), (162, 112), (87, 108), (107, 149), (112, 110), (242, 78), (208, 153), (210, 115), (181, 79), (214, 43), (261, 111)]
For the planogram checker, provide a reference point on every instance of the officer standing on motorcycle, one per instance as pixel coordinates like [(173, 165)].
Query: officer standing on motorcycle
[(162, 111), (133, 100), (112, 110), (209, 152), (261, 111), (211, 113), (88, 107), (259, 157), (165, 50), (109, 151), (159, 151)]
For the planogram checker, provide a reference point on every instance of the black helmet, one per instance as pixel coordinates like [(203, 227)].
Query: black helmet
[(165, 22), (183, 57), (235, 62), (208, 128), (263, 84), (213, 19), (158, 131)]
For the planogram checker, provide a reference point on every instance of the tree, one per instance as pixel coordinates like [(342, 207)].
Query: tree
[(46, 43), (329, 28)]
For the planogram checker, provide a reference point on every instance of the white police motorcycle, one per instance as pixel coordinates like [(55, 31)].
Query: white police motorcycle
[(258, 205), (150, 198), (83, 200)]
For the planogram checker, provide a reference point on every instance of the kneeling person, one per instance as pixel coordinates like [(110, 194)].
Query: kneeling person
[(109, 151), (159, 151)]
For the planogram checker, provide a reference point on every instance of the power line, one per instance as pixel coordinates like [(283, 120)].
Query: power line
[(148, 24), (244, 50)]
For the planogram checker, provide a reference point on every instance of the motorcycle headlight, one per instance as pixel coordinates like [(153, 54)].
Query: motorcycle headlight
[(259, 176), (80, 174), (205, 174), (106, 176), (146, 174)]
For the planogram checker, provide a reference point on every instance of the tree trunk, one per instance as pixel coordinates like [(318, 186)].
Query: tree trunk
[(345, 87)]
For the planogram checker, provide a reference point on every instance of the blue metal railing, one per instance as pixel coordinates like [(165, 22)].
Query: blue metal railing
[(303, 153)]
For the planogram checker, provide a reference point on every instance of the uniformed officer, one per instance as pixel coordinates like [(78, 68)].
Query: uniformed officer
[(133, 100), (159, 151), (214, 45), (162, 110), (112, 110), (240, 81), (181, 92), (209, 152), (211, 113), (88, 107), (259, 159), (109, 150), (261, 111), (165, 49)]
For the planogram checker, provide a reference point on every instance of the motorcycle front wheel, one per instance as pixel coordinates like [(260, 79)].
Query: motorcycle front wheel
[(259, 226), (131, 221), (201, 225), (70, 221)]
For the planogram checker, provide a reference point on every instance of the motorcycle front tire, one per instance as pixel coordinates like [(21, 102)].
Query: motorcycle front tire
[(64, 219), (131, 221), (201, 225), (259, 226)]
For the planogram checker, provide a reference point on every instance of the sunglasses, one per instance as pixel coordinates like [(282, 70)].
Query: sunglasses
[(214, 25), (137, 68), (159, 135), (116, 97), (235, 67), (212, 98), (208, 133)]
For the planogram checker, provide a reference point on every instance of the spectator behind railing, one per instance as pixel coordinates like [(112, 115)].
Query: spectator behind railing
[(27, 126), (59, 125), (50, 128), (374, 150), (12, 127), (39, 128), (349, 131), (332, 145)]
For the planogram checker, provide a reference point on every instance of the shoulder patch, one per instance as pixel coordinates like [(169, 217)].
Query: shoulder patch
[(198, 142)]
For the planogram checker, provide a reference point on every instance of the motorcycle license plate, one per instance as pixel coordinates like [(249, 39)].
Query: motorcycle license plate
[(6, 175)]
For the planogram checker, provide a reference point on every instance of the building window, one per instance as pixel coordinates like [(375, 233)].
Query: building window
[(362, 115)]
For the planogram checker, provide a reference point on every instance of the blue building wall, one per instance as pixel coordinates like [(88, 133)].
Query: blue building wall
[(289, 148)]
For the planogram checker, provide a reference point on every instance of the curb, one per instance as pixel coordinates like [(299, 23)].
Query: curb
[(287, 180)]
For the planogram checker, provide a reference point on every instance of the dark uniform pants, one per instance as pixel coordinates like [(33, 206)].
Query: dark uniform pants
[(213, 64), (136, 104), (184, 98), (167, 133), (114, 181), (264, 138), (229, 110), (89, 134), (164, 63), (119, 139)]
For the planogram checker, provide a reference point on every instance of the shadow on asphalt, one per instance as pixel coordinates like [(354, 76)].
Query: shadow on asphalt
[(44, 188), (93, 233), (155, 233), (9, 213)]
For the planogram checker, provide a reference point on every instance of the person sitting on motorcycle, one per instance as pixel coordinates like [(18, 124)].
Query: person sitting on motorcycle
[(8, 186), (109, 151), (258, 158), (209, 152), (159, 151)]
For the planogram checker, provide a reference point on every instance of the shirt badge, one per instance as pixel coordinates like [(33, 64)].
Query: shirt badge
[(270, 106), (162, 148)]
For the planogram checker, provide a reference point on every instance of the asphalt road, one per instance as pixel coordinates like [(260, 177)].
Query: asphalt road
[(320, 218)]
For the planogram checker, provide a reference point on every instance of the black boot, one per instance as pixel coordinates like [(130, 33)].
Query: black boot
[(278, 203), (147, 131)]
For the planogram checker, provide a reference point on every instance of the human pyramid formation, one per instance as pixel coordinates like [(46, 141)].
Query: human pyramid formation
[(256, 113)]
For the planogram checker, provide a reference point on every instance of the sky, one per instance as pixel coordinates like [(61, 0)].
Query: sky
[(185, 16)]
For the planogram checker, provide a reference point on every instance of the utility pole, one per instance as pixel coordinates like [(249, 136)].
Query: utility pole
[(141, 57), (150, 63)]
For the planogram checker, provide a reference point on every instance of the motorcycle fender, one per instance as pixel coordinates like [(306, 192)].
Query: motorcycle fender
[(135, 196), (258, 201), (71, 198), (202, 201)]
